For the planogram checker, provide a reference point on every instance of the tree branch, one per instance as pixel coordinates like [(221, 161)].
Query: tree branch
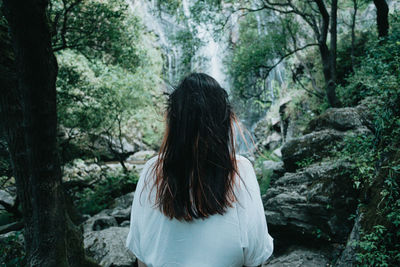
[(269, 68)]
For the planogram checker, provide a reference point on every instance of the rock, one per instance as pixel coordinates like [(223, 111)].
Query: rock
[(277, 152), (341, 119), (124, 201), (272, 165), (315, 202), (99, 222), (7, 198), (299, 257), (293, 129), (125, 224), (107, 247), (121, 214), (273, 141), (313, 146), (142, 155), (348, 257), (273, 169)]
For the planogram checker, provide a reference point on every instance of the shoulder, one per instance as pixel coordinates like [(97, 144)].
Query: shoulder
[(150, 163), (148, 168), (246, 173), (243, 163)]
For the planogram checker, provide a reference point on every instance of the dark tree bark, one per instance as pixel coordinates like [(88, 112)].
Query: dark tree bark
[(382, 17), (328, 56), (28, 112), (353, 34)]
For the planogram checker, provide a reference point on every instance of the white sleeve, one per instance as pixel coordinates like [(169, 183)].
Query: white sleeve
[(256, 242), (133, 239)]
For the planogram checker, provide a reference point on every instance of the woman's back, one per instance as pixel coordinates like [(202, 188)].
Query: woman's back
[(236, 238)]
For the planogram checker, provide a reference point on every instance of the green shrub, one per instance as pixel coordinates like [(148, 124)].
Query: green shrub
[(12, 252), (377, 158), (101, 196)]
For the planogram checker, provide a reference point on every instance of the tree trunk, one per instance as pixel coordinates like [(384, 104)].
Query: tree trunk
[(328, 57), (353, 34), (330, 85), (28, 111), (382, 20)]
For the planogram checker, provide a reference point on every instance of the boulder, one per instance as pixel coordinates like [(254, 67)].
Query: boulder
[(272, 169), (107, 247), (99, 222), (7, 198), (121, 214), (341, 119), (315, 202), (273, 141), (315, 146), (348, 256), (124, 201), (272, 165), (299, 257), (277, 152)]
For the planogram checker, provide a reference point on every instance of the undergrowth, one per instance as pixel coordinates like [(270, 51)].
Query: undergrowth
[(377, 157)]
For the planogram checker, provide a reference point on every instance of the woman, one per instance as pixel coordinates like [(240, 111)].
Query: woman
[(197, 203)]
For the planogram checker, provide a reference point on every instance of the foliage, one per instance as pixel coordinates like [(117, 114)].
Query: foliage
[(12, 251), (189, 43), (377, 158), (97, 29), (251, 58), (108, 71), (114, 184), (266, 174), (305, 162), (343, 61), (377, 71), (104, 99)]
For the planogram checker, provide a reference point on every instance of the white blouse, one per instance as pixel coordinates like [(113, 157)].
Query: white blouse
[(236, 238)]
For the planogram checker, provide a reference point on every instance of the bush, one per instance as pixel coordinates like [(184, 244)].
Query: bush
[(378, 158), (12, 252), (114, 184)]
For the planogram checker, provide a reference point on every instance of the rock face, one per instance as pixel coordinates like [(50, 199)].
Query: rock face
[(310, 203), (107, 247), (341, 119), (315, 202), (348, 257), (314, 146)]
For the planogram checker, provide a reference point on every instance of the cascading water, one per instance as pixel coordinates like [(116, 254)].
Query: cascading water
[(208, 58)]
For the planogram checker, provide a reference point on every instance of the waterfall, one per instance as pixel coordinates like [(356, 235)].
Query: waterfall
[(208, 58)]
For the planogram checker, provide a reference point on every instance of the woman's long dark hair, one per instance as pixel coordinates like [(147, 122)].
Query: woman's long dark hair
[(196, 166)]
